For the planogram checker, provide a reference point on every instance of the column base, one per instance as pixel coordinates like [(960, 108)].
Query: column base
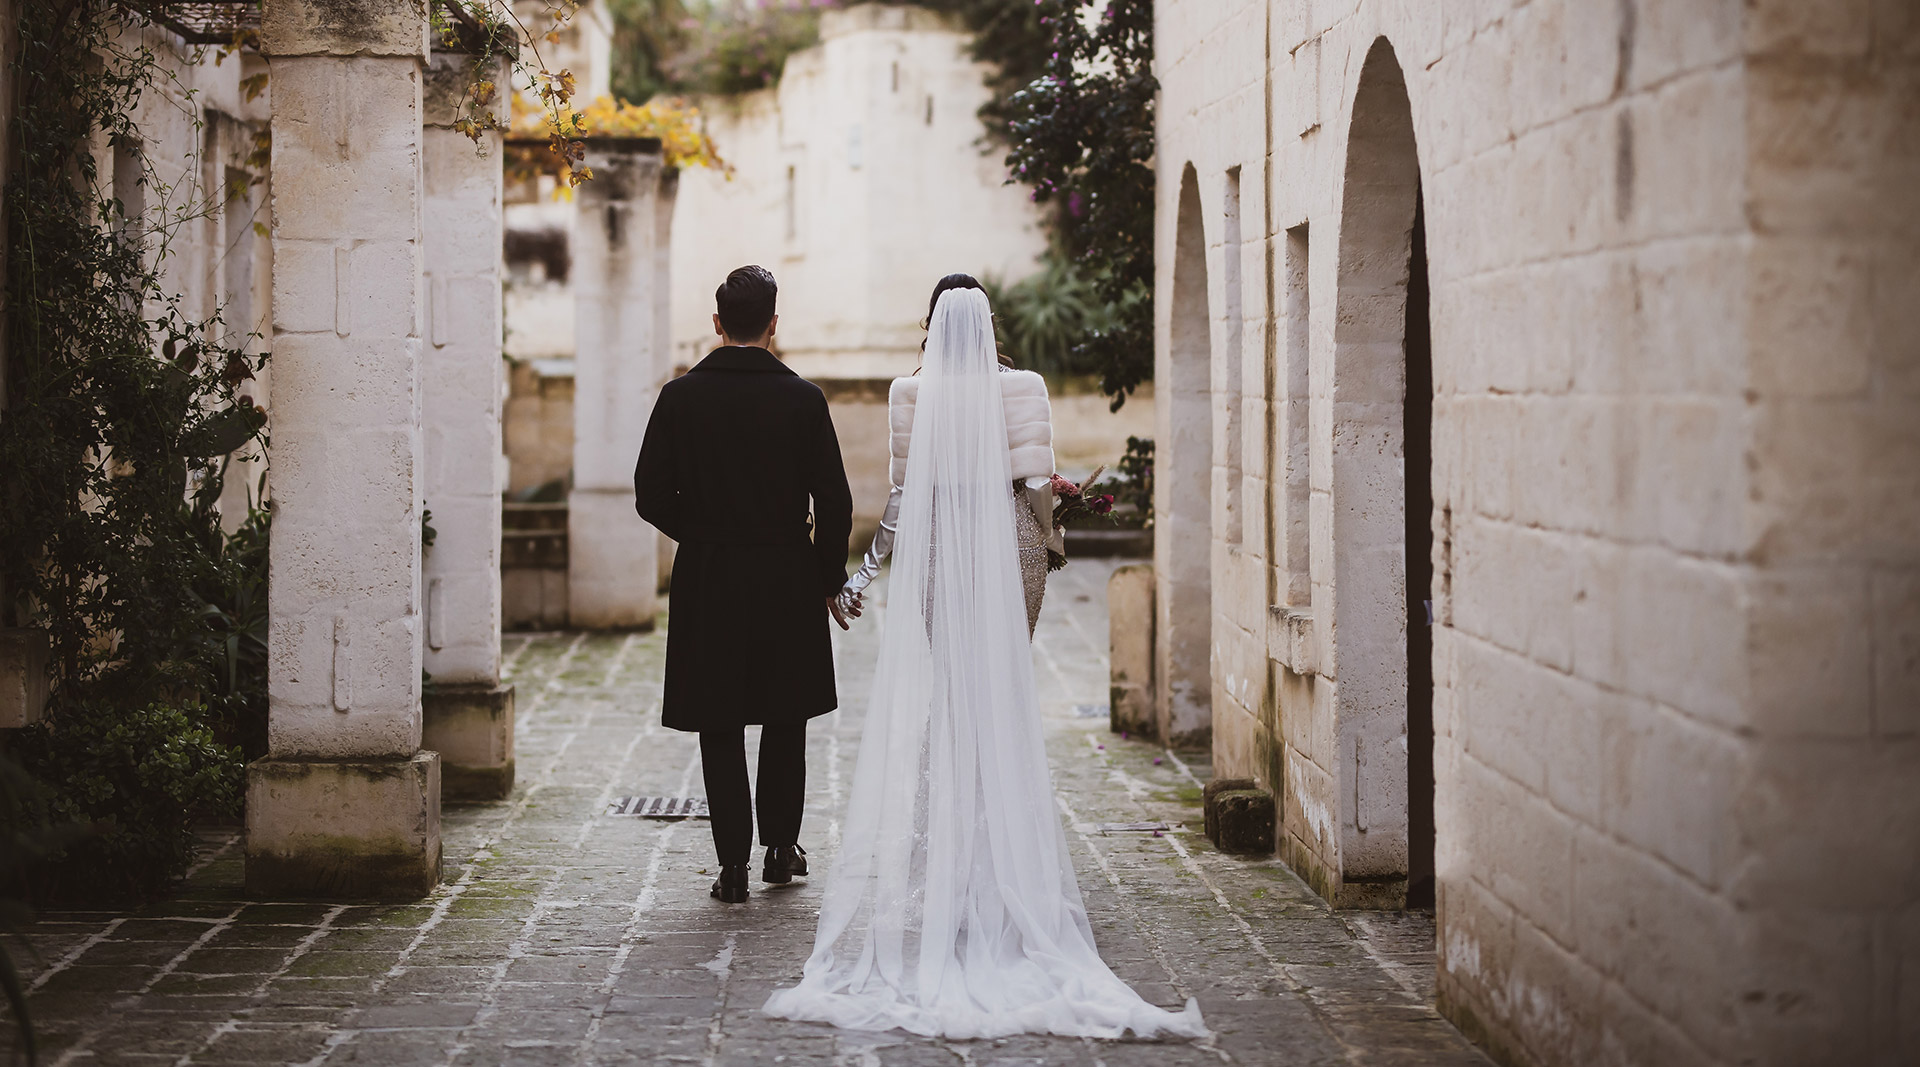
[(348, 829), (471, 726)]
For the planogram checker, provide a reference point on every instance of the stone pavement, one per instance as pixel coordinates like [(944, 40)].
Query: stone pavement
[(563, 935)]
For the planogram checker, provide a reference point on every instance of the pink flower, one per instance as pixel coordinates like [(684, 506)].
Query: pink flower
[(1064, 487)]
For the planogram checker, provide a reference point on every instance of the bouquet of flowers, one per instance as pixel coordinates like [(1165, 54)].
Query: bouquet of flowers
[(1072, 501)]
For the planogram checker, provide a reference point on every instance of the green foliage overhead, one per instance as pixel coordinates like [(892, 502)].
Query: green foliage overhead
[(647, 35), (1084, 140), (121, 409), (727, 46)]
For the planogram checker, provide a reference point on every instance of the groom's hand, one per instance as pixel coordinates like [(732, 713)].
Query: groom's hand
[(833, 608)]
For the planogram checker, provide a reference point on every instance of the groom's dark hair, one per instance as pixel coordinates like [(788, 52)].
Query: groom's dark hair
[(745, 302)]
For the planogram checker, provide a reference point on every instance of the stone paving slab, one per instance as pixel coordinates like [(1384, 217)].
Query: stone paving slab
[(567, 937)]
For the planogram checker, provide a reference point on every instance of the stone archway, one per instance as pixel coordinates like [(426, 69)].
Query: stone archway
[(1382, 496), (1183, 539)]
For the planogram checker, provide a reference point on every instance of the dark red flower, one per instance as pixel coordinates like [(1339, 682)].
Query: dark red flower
[(1100, 505)]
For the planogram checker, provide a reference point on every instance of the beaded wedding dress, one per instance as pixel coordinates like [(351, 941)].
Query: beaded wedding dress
[(952, 909)]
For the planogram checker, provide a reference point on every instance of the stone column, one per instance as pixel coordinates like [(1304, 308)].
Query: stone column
[(613, 556), (345, 804), (467, 714)]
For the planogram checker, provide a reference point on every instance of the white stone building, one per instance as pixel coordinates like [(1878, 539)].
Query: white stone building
[(859, 180), (1593, 326)]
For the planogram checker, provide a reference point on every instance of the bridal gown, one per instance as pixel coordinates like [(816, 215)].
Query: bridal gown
[(952, 909)]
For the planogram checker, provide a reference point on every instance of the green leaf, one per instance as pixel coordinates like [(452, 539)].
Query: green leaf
[(224, 431)]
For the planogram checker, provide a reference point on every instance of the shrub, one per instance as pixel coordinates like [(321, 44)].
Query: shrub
[(1042, 316), (136, 779)]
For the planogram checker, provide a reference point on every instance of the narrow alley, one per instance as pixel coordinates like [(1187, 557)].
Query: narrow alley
[(565, 935)]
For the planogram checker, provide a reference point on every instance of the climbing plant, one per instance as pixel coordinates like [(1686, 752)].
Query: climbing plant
[(674, 121), (1083, 140), (489, 30), (122, 410)]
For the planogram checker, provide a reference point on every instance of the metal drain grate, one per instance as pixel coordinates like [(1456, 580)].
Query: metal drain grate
[(1134, 827), (1091, 711), (660, 807)]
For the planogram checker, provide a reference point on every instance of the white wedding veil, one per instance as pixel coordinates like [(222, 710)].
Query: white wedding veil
[(952, 908)]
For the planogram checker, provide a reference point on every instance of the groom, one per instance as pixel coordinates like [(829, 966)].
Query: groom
[(736, 450)]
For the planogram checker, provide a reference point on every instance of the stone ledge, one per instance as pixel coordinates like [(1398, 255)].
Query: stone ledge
[(1239, 816), (471, 727), (1290, 640), (344, 829)]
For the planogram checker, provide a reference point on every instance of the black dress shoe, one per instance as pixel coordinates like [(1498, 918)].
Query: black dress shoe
[(783, 862), (731, 888)]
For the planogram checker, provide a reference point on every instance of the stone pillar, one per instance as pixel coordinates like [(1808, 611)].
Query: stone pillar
[(345, 804), (467, 714), (613, 556), (1130, 649)]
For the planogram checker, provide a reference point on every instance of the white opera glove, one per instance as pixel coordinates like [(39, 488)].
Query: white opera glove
[(881, 548)]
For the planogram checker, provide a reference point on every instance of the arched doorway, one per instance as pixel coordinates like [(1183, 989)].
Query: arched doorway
[(1183, 535), (1383, 502)]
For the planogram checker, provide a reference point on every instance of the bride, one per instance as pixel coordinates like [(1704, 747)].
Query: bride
[(952, 909)]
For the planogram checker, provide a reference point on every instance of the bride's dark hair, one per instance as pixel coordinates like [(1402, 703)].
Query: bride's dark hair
[(955, 281)]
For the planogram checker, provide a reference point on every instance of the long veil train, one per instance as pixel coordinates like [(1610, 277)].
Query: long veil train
[(952, 909)]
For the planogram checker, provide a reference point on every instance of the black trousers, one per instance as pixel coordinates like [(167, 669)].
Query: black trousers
[(783, 787)]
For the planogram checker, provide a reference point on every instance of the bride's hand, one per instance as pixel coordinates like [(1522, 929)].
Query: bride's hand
[(849, 603)]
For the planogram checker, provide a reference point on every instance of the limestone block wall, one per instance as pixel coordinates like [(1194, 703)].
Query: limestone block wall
[(1828, 799), (859, 181), (1664, 280)]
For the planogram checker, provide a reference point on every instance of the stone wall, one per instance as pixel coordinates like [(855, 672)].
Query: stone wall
[(539, 432), (859, 181), (1669, 252)]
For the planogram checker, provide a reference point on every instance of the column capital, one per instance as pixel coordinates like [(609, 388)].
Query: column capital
[(444, 93), (397, 28), (624, 168)]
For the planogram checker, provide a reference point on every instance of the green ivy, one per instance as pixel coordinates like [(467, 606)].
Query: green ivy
[(121, 412), (1084, 140)]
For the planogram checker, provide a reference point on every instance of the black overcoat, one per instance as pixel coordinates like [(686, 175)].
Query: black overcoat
[(736, 449)]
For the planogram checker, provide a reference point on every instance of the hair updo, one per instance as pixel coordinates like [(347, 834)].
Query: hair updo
[(957, 281)]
